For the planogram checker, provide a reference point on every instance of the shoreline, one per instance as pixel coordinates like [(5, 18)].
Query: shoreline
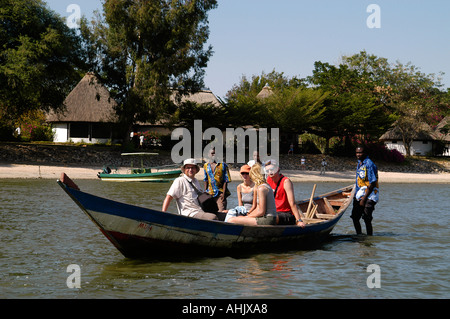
[(28, 171)]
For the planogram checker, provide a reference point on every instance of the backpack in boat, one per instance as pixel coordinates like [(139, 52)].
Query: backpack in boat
[(206, 201)]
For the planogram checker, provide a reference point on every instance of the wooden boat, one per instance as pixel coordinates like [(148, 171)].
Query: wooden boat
[(139, 232), (164, 173)]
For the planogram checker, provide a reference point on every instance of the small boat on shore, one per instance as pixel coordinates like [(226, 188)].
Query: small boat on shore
[(165, 173), (139, 232)]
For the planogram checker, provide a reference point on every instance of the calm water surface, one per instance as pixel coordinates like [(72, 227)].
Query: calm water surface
[(43, 232)]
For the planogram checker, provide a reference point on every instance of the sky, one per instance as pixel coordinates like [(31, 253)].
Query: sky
[(250, 37)]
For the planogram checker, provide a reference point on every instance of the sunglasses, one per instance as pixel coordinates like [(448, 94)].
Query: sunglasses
[(244, 173)]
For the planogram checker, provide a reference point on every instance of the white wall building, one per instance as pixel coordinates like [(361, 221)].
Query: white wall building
[(426, 141), (89, 114)]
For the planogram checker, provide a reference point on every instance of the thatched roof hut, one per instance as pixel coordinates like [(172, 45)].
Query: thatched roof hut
[(424, 141), (202, 97), (89, 113), (265, 92), (424, 134), (441, 134), (89, 102)]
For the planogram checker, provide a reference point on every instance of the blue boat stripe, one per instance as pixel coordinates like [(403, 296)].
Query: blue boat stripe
[(106, 206)]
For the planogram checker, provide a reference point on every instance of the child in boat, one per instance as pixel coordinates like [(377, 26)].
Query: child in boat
[(265, 212), (246, 193)]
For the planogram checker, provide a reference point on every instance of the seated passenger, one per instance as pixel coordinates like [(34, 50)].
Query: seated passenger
[(246, 193), (265, 212), (284, 195), (182, 189)]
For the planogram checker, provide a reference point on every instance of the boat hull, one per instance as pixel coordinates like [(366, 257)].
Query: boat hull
[(141, 232), (161, 177)]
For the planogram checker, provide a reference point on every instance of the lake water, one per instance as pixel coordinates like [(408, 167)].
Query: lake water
[(43, 232)]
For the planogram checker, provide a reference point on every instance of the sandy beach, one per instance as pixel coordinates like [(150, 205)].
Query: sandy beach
[(53, 172)]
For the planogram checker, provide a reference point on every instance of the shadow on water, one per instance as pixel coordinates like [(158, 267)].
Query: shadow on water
[(363, 238), (196, 255)]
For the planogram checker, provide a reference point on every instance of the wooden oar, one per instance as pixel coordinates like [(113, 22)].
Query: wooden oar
[(311, 200), (313, 211)]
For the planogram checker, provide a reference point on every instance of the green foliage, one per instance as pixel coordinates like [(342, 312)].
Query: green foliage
[(292, 107), (6, 131), (146, 52), (40, 58), (251, 88), (309, 139), (363, 96), (352, 106), (295, 109), (33, 127), (210, 114)]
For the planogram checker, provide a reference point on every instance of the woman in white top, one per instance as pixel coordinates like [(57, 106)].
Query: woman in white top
[(246, 190), (265, 212), (246, 193)]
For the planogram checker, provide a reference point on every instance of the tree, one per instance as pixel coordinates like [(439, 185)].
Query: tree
[(295, 110), (252, 87), (352, 106), (40, 58), (243, 107), (150, 52), (415, 97)]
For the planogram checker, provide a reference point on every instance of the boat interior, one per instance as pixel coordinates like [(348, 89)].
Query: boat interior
[(323, 208)]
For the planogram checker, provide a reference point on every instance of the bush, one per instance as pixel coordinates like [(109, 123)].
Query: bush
[(6, 132), (378, 151), (36, 132), (375, 150), (42, 133), (33, 127)]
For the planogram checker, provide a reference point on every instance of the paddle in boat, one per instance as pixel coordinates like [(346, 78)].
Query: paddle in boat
[(139, 232), (165, 173)]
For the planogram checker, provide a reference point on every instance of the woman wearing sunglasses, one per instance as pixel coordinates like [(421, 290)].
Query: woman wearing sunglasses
[(246, 193), (265, 212)]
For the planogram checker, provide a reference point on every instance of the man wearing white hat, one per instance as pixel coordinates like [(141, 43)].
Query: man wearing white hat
[(185, 194)]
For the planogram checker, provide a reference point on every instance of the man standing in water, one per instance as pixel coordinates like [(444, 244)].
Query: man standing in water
[(366, 192)]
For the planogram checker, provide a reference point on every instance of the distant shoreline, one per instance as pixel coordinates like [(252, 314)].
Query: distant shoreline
[(24, 171)]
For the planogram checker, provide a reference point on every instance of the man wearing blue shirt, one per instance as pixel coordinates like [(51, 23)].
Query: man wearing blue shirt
[(366, 193)]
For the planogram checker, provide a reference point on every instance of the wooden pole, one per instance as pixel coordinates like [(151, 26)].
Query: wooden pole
[(311, 200), (313, 211)]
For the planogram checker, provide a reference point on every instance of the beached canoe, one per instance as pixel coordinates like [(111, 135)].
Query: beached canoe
[(142, 232), (141, 176), (166, 173)]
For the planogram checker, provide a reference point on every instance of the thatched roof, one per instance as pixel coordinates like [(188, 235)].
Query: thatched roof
[(425, 133), (442, 136), (202, 97), (265, 92), (89, 101)]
